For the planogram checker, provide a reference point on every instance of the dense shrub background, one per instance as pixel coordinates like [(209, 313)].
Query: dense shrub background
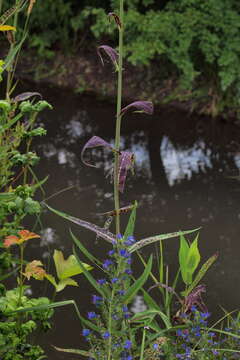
[(196, 40)]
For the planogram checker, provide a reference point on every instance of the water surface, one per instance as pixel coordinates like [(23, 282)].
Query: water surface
[(185, 177)]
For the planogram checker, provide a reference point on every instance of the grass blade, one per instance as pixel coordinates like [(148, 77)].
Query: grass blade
[(132, 291), (91, 279)]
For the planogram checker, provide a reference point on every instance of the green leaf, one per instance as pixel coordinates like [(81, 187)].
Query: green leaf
[(201, 274), (67, 268), (183, 254), (91, 279), (194, 257), (63, 283), (51, 279), (131, 222), (141, 243), (150, 314), (132, 291), (82, 248)]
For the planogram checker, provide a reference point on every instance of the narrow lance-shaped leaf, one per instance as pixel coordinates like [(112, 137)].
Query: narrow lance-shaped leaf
[(110, 52), (131, 222), (193, 258), (138, 284), (201, 274), (125, 163), (183, 254), (95, 141), (76, 351), (103, 233), (26, 95), (139, 106), (141, 243)]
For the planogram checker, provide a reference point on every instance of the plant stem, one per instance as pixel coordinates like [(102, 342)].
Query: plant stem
[(21, 274), (143, 344), (118, 121), (1, 4), (110, 326)]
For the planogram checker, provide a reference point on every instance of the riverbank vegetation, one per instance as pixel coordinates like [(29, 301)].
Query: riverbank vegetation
[(194, 44), (173, 321)]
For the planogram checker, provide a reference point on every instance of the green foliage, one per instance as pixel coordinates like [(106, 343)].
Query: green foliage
[(189, 258), (14, 334)]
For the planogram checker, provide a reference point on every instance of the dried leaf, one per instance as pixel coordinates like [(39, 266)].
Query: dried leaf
[(25, 96), (34, 269), (24, 235), (110, 52), (116, 19), (95, 141), (125, 163), (141, 106), (27, 235), (30, 7)]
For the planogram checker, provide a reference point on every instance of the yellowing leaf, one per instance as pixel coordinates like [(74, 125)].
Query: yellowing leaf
[(67, 268), (34, 269), (63, 283), (7, 28)]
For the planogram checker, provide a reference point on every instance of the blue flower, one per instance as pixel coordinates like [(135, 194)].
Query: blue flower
[(127, 344), (124, 308), (96, 299), (111, 252), (106, 335), (119, 236), (86, 332), (121, 292), (155, 346), (128, 271), (107, 263), (114, 280), (130, 241), (101, 281), (92, 315), (124, 253)]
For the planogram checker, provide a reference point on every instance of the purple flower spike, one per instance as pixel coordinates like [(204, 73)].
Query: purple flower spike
[(110, 52), (95, 141), (125, 163), (140, 106)]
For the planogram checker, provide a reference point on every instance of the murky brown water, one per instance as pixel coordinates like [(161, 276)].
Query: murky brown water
[(183, 180)]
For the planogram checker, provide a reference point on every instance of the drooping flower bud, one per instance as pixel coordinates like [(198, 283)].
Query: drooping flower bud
[(140, 106)]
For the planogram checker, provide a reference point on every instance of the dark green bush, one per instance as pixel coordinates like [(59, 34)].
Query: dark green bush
[(198, 40)]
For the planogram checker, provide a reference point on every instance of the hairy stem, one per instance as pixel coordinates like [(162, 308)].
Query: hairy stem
[(118, 121), (110, 326)]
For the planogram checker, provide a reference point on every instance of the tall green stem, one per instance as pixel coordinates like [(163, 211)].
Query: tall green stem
[(21, 274), (1, 5), (118, 121)]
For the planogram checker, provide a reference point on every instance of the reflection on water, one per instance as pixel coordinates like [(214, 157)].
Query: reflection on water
[(180, 163), (182, 180)]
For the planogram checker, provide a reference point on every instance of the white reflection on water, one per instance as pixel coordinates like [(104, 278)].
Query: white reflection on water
[(180, 164)]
